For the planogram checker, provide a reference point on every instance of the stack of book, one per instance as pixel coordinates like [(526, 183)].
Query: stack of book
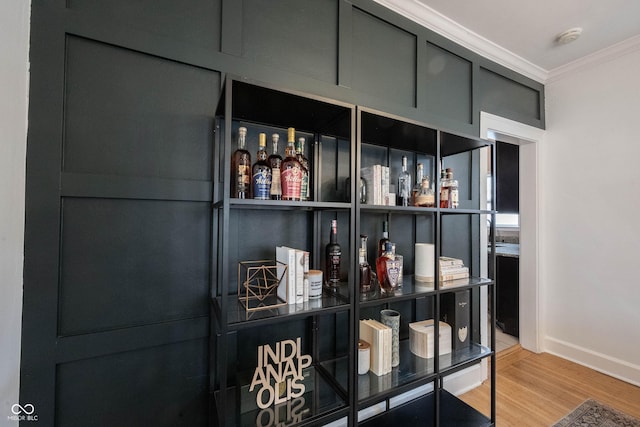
[(377, 182), (378, 336), (291, 287), (421, 338), (452, 269)]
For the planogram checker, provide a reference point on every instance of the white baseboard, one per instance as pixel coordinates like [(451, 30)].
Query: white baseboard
[(465, 380), (608, 365)]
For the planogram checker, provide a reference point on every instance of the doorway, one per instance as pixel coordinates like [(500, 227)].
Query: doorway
[(528, 138)]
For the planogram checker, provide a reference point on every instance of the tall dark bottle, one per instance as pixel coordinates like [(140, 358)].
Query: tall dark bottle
[(275, 161), (241, 168), (261, 172), (333, 256)]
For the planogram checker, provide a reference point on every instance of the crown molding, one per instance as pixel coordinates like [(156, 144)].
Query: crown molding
[(603, 55), (446, 27)]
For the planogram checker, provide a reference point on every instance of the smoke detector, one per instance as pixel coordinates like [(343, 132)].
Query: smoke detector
[(569, 35)]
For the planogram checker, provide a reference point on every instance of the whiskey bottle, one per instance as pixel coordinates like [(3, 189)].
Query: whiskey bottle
[(384, 239), (444, 189), (291, 170), (275, 162), (261, 181), (365, 268), (241, 168), (388, 270), (306, 172), (453, 189), (425, 197), (404, 184), (333, 256), (418, 186)]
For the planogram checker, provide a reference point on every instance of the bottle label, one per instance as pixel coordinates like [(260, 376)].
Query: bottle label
[(291, 180), (276, 189), (262, 184), (243, 177), (334, 267), (304, 187), (454, 197)]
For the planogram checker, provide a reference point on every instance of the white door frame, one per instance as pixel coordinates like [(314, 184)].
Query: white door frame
[(529, 138)]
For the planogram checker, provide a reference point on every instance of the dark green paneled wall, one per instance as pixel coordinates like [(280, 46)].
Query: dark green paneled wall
[(118, 227)]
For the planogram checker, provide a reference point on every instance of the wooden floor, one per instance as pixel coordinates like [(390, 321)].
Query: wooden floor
[(539, 389)]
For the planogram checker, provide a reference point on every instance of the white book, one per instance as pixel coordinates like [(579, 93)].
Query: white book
[(286, 287), (299, 266), (384, 186), (372, 177)]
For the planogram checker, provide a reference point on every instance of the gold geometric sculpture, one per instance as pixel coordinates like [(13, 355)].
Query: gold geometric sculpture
[(258, 284)]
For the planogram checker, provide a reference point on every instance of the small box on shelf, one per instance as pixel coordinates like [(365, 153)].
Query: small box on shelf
[(258, 284)]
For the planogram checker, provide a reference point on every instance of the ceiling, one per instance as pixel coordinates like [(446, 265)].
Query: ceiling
[(526, 31)]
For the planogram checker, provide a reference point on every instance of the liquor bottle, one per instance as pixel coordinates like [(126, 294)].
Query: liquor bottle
[(388, 270), (416, 188), (453, 189), (425, 197), (291, 170), (333, 256), (304, 162), (404, 184), (384, 239), (365, 268), (275, 162), (444, 189), (241, 168), (261, 181)]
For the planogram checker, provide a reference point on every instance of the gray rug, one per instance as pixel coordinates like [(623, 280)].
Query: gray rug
[(595, 414)]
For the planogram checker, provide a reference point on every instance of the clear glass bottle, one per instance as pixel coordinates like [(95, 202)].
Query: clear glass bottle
[(275, 162), (444, 189), (453, 189), (304, 162), (416, 188), (404, 184), (365, 268), (384, 239), (426, 196), (261, 171), (291, 170), (241, 168), (388, 270), (333, 256)]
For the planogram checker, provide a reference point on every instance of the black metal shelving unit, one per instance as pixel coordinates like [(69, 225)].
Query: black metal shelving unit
[(344, 138)]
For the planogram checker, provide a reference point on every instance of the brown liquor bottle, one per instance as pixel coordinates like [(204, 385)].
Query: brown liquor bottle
[(385, 238), (291, 170), (261, 177), (241, 168), (306, 171)]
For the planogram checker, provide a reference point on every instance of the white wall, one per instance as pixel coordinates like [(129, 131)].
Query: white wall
[(14, 42), (590, 216)]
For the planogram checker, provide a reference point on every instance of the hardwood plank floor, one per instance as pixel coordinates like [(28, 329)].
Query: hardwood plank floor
[(536, 390)]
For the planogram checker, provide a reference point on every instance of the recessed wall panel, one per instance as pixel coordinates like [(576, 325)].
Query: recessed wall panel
[(293, 35), (507, 98), (384, 59), (448, 84), (132, 262), (132, 114), (192, 21), (158, 386)]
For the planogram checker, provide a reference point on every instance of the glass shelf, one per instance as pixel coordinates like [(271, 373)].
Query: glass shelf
[(412, 369), (419, 412), (239, 318), (284, 205), (412, 289), (320, 401)]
